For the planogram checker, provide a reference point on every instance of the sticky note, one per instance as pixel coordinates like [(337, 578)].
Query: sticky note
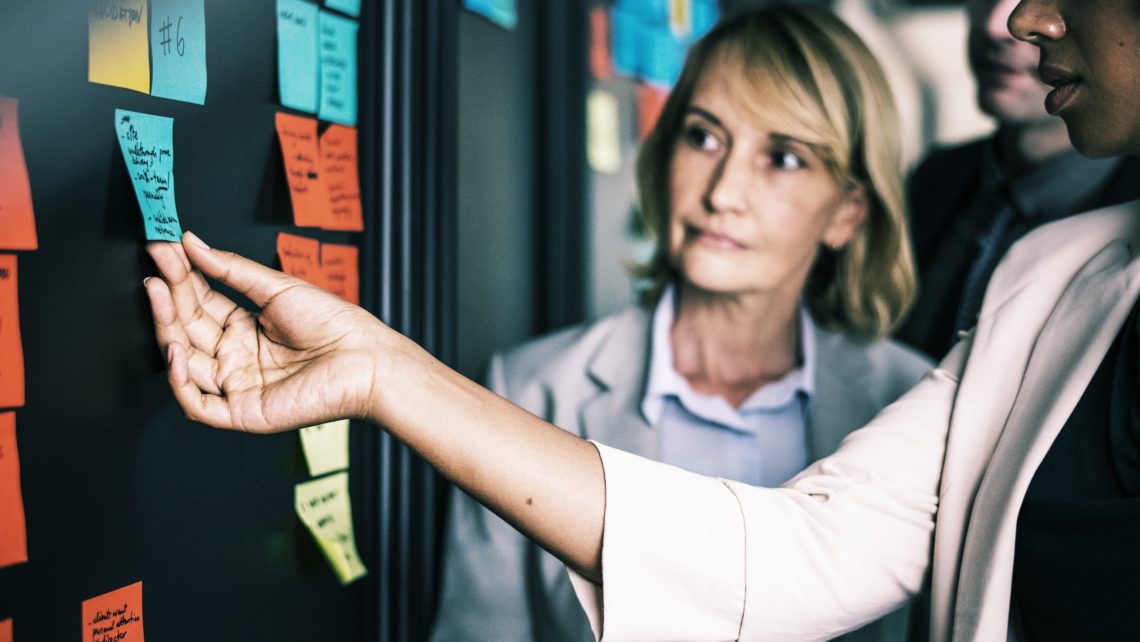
[(501, 12), (662, 61), (601, 61), (351, 7), (6, 630), (11, 349), (650, 102), (340, 266), (705, 15), (178, 50), (603, 132), (325, 446), (114, 617), (301, 153), (117, 50), (628, 36), (300, 257), (342, 178), (323, 506), (338, 68), (298, 59), (147, 142), (13, 531), (17, 218), (681, 18)]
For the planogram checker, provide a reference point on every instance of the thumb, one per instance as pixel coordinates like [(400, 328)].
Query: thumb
[(256, 281)]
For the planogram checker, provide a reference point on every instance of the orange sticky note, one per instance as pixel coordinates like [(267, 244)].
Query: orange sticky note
[(6, 630), (13, 533), (300, 257), (650, 102), (342, 276), (114, 617), (299, 148), (17, 218), (342, 178), (601, 62), (11, 349)]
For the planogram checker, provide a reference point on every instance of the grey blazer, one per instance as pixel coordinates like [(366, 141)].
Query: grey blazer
[(590, 380)]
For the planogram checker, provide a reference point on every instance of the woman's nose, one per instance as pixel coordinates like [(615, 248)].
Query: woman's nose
[(728, 186), (1035, 21)]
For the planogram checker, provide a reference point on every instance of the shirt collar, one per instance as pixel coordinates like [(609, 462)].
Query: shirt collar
[(665, 382), (1050, 189)]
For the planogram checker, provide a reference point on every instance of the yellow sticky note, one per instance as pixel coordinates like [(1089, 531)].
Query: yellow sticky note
[(603, 137), (118, 50), (323, 506), (326, 447)]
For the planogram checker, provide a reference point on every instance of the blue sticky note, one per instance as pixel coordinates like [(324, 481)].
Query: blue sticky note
[(649, 12), (148, 147), (504, 13), (351, 7), (663, 59), (178, 50), (298, 59), (705, 15), (338, 69), (628, 35)]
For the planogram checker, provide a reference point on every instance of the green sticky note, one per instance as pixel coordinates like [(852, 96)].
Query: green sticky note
[(298, 59), (326, 447), (178, 50), (324, 508), (147, 142), (338, 69)]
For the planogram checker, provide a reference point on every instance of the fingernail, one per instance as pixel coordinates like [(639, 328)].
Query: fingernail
[(146, 279), (197, 241)]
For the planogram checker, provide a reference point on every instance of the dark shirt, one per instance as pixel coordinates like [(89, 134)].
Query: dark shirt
[(955, 197), (1077, 556)]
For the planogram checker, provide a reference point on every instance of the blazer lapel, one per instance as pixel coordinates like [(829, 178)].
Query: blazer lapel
[(619, 369), (1068, 351)]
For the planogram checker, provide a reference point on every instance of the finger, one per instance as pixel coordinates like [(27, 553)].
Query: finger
[(204, 371), (257, 282), (174, 267), (200, 327), (205, 408), (167, 327)]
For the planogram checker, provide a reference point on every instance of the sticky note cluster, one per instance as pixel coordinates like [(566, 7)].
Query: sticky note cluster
[(331, 266), (316, 59), (126, 37), (17, 217), (114, 617), (147, 142), (322, 172), (323, 506)]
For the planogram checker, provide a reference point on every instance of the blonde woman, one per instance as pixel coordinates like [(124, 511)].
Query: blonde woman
[(781, 261)]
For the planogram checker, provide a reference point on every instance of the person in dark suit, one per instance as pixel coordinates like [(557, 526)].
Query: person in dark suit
[(970, 203)]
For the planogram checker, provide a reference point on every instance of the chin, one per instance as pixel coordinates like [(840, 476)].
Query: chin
[(1095, 140)]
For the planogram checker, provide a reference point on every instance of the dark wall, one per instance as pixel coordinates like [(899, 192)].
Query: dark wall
[(118, 487)]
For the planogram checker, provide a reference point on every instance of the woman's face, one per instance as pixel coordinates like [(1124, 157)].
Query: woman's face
[(750, 207), (1090, 54)]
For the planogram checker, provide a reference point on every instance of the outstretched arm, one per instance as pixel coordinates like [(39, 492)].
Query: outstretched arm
[(306, 356)]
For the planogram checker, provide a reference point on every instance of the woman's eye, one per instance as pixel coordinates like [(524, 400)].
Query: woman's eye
[(786, 160), (701, 138)]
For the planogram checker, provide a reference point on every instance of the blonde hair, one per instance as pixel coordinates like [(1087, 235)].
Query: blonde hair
[(799, 70)]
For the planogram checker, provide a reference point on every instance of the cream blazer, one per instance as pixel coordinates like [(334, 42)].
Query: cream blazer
[(686, 557)]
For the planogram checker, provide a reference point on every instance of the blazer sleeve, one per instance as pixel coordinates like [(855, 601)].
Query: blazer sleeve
[(844, 542), (483, 593)]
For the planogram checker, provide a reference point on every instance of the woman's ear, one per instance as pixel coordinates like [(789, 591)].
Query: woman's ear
[(849, 216)]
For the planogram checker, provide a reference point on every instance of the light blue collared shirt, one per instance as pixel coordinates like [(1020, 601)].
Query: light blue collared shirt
[(763, 442)]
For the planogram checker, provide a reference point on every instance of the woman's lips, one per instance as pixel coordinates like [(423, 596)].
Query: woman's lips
[(713, 239), (1066, 87)]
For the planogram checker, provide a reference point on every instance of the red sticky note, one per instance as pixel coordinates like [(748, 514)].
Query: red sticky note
[(300, 150), (13, 530), (114, 617), (11, 349), (601, 61), (300, 257), (650, 102), (17, 218), (342, 178), (342, 276), (6, 630)]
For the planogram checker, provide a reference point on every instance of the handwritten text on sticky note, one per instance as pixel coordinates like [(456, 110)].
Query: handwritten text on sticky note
[(342, 177), (298, 58), (323, 506), (300, 257), (114, 617), (17, 218), (341, 275), (117, 50), (326, 447), (338, 68), (301, 153), (13, 533), (178, 50), (11, 348), (147, 142)]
